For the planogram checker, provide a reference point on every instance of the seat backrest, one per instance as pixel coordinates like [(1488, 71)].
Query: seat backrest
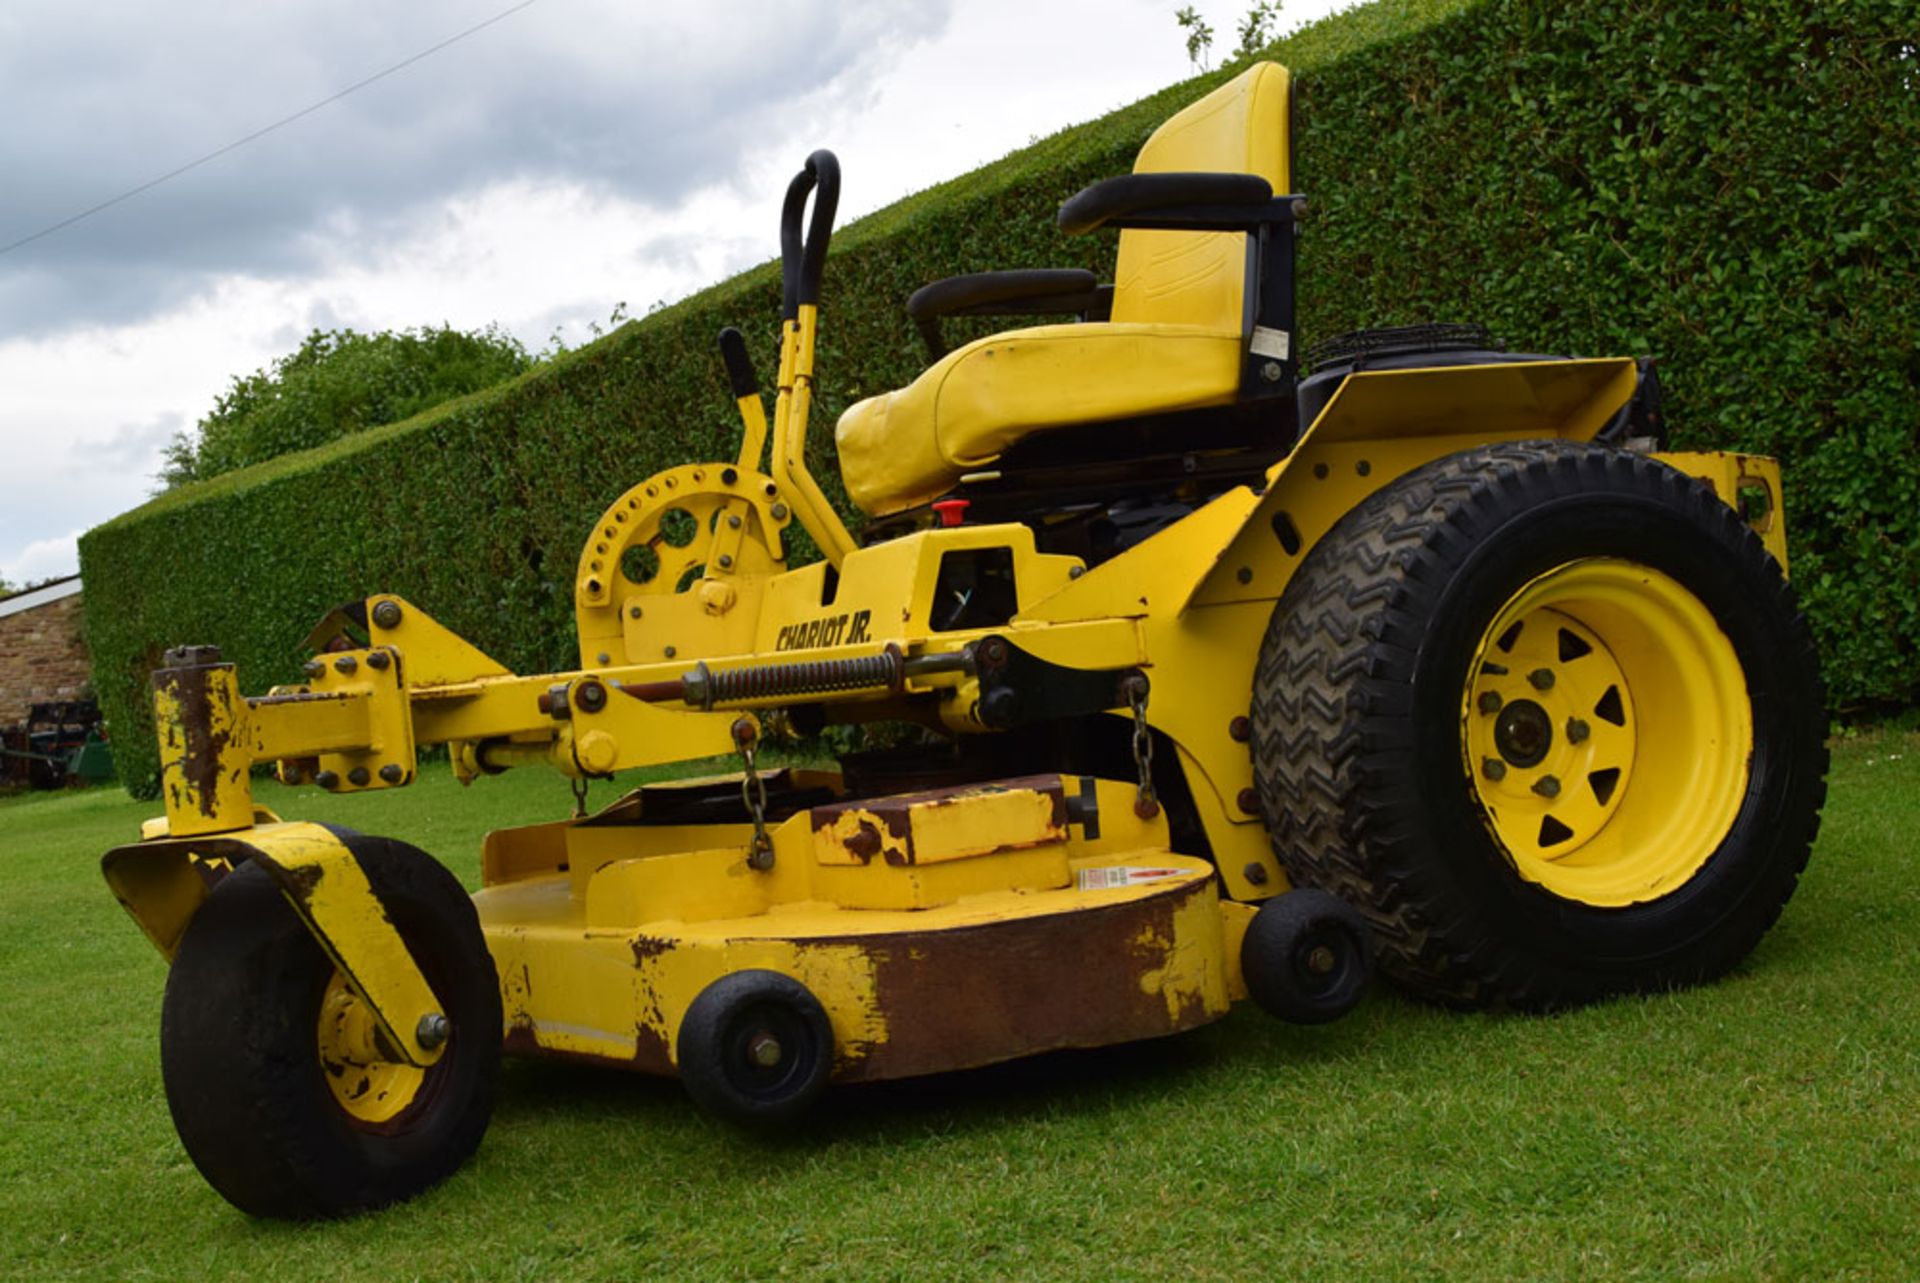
[(1197, 278)]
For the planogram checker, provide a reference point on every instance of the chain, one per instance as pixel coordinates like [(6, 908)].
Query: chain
[(753, 792), (1146, 805), (579, 798)]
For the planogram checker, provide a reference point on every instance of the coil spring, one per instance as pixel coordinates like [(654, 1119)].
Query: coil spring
[(810, 677)]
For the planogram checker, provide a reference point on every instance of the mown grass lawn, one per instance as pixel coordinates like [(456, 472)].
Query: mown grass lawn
[(1766, 1127)]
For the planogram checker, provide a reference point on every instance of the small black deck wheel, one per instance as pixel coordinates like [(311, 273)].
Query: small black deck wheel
[(273, 1073), (1306, 958), (755, 1047)]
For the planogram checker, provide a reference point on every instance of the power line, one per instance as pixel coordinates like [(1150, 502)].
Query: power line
[(152, 183)]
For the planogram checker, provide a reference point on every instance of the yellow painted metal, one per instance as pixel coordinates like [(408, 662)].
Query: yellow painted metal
[(709, 536), (162, 882), (791, 411), (753, 439), (1647, 740), (641, 919), (319, 876), (1747, 483), (363, 1081)]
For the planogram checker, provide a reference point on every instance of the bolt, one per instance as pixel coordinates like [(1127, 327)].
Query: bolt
[(1541, 679), (633, 612), (1249, 801), (358, 777), (346, 663), (1493, 768), (1270, 371), (190, 657), (733, 521), (1256, 873), (313, 668), (1547, 786), (764, 1050), (590, 696), (1577, 731), (1240, 729), (1490, 702), (760, 858), (391, 773), (671, 652), (1244, 574), (432, 1030), (601, 658), (378, 659), (327, 780), (386, 614), (779, 512), (1074, 572), (726, 561), (1320, 960)]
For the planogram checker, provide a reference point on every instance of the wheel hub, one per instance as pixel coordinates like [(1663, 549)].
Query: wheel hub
[(1602, 688), (369, 1087)]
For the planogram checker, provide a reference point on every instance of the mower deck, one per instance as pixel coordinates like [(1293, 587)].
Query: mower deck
[(939, 930)]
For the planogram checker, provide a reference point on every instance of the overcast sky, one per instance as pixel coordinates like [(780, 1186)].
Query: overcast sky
[(571, 156)]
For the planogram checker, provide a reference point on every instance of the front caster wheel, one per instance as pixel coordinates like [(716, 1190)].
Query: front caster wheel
[(277, 1088), (756, 1047), (1306, 958)]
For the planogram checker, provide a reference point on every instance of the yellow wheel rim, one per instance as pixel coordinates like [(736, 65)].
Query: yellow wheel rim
[(370, 1088), (1607, 731)]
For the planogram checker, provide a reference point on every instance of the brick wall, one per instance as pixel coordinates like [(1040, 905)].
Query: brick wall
[(43, 656)]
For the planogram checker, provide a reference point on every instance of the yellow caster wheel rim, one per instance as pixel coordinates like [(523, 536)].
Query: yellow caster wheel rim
[(370, 1088)]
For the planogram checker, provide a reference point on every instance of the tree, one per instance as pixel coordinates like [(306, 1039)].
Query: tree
[(1199, 36), (336, 383), (1256, 29)]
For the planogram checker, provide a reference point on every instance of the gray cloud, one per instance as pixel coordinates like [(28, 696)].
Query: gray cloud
[(647, 101)]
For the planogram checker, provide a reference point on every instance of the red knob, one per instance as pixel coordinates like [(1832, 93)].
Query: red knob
[(951, 511)]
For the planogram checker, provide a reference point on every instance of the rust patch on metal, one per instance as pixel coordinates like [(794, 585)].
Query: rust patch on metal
[(865, 842), (191, 734), (647, 948), (971, 996), (893, 814), (649, 1056)]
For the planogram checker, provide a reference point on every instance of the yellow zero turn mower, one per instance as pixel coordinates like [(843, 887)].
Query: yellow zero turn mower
[(1231, 684)]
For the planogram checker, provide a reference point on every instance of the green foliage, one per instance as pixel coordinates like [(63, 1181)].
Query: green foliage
[(1199, 35), (1256, 28), (1725, 187), (339, 382)]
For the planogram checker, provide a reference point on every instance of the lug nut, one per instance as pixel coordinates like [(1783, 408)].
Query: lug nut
[(346, 663), (1547, 786), (1577, 731), (327, 780), (1541, 679), (1490, 702), (1493, 768), (431, 1031), (391, 773)]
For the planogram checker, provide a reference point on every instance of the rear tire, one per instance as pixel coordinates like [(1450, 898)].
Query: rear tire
[(1556, 874), (254, 1088)]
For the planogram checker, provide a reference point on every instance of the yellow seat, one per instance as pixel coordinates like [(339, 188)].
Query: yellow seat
[(1174, 342)]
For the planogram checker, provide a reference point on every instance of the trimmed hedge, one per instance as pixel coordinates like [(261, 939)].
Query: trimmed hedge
[(1729, 187)]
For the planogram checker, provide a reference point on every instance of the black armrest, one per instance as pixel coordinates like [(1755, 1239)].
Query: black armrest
[(1032, 292), (1203, 202)]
